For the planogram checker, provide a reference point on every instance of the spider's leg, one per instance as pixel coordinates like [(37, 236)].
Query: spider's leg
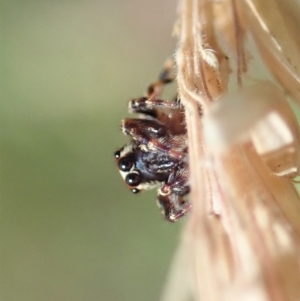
[(143, 129), (173, 206), (151, 135), (151, 102), (171, 196), (165, 77), (151, 106)]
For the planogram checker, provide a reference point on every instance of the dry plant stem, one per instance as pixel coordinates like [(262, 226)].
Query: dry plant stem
[(238, 44), (199, 57), (199, 83), (243, 235)]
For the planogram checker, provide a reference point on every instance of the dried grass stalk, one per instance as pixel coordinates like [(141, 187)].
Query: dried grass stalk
[(242, 239)]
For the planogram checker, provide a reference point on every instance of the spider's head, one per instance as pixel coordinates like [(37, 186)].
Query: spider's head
[(133, 170)]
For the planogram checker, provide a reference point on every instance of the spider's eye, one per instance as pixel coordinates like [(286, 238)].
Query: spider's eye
[(117, 154), (125, 164), (134, 190), (133, 179)]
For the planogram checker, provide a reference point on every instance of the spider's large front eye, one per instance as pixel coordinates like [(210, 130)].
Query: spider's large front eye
[(125, 164), (133, 179)]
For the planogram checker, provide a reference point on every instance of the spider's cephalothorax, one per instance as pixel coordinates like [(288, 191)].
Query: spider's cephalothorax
[(156, 156)]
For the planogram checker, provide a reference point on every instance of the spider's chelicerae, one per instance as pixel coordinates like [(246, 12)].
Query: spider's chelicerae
[(157, 154)]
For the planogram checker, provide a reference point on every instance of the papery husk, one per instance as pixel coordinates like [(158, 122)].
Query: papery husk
[(245, 243), (261, 113), (200, 55), (275, 27), (242, 238), (249, 250)]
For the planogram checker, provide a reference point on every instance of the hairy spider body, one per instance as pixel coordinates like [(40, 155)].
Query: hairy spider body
[(157, 154)]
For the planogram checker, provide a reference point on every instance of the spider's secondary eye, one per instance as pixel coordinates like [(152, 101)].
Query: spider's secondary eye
[(133, 179), (125, 164), (117, 154), (134, 190)]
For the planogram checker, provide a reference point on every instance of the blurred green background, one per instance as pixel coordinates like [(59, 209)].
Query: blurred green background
[(70, 229)]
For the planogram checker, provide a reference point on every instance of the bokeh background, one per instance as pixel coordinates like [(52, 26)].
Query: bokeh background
[(70, 229)]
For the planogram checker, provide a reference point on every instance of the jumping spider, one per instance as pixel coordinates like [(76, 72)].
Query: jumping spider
[(157, 154)]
